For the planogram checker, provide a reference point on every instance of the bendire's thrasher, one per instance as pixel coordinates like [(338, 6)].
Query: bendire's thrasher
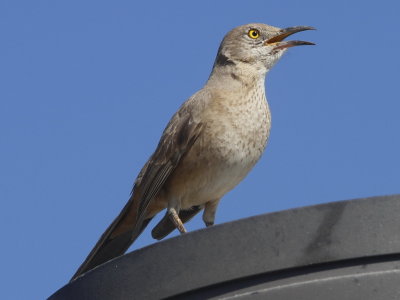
[(208, 147)]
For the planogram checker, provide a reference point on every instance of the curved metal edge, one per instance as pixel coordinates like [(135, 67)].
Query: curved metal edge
[(261, 244)]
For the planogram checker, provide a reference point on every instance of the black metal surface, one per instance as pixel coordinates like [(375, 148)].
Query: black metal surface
[(339, 250)]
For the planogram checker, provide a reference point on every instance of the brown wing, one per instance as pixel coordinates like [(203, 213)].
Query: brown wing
[(178, 138)]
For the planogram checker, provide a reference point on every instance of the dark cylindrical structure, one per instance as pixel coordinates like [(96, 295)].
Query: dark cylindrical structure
[(340, 250)]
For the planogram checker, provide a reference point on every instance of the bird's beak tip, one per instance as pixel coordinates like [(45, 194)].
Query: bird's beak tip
[(308, 27)]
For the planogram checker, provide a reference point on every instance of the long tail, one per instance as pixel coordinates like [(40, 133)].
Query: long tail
[(122, 232)]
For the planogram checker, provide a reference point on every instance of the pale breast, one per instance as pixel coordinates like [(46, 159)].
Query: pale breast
[(239, 126), (234, 139)]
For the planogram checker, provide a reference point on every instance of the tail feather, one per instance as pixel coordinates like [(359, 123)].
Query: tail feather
[(122, 232)]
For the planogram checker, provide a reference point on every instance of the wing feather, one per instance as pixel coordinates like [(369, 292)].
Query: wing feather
[(178, 138)]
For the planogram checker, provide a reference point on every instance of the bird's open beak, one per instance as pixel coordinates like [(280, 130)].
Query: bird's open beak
[(284, 33)]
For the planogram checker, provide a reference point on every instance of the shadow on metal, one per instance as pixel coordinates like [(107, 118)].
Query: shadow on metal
[(339, 250)]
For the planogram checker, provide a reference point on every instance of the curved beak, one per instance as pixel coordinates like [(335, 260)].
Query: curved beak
[(284, 33)]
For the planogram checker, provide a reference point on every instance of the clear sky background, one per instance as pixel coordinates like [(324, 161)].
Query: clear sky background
[(86, 88)]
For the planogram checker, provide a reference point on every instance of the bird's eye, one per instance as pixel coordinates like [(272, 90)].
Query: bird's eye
[(254, 33)]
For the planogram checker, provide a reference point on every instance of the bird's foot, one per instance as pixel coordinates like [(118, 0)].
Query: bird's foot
[(177, 221)]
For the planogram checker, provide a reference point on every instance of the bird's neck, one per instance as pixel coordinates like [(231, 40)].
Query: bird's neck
[(236, 75)]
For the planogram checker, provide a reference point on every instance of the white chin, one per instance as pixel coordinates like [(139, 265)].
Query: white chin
[(274, 57)]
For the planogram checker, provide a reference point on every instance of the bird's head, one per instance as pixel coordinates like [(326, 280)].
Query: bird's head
[(256, 45)]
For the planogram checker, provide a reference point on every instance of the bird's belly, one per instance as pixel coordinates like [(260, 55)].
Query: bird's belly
[(216, 164), (231, 143), (215, 183)]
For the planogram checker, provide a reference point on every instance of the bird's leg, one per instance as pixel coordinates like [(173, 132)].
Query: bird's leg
[(209, 212), (173, 215)]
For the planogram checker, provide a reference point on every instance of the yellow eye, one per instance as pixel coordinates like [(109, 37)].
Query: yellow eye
[(254, 33)]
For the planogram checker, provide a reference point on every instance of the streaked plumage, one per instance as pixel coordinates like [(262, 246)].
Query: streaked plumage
[(208, 147)]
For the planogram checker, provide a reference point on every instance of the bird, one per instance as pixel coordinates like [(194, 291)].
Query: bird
[(209, 145)]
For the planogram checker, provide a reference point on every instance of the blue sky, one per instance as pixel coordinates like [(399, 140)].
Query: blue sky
[(88, 86)]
